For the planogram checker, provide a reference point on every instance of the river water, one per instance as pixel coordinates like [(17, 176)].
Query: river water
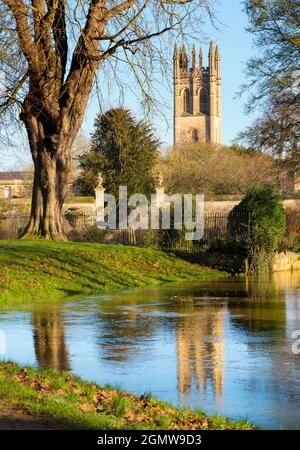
[(222, 346)]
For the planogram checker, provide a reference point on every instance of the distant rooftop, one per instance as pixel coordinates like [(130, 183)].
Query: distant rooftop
[(13, 175)]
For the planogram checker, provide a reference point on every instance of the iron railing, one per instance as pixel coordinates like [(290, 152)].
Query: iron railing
[(82, 227)]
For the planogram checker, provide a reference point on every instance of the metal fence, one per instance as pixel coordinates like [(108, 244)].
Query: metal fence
[(11, 226), (81, 227)]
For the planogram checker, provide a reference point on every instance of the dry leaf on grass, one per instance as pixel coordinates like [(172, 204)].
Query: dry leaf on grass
[(85, 407)]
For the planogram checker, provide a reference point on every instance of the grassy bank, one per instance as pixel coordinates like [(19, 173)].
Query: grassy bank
[(42, 270), (230, 263), (73, 403)]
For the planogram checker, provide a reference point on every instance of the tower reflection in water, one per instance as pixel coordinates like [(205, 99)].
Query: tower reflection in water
[(200, 351), (49, 337)]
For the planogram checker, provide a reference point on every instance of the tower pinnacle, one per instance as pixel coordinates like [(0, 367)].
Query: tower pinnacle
[(200, 58), (194, 57), (218, 62), (211, 57)]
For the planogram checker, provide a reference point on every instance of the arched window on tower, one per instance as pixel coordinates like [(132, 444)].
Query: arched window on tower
[(186, 101), (203, 101)]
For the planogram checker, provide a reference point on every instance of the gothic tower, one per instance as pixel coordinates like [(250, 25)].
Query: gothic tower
[(197, 97)]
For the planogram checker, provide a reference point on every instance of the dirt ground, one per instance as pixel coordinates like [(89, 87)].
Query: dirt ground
[(11, 418)]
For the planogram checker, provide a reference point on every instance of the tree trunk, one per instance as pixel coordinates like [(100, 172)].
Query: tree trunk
[(52, 161)]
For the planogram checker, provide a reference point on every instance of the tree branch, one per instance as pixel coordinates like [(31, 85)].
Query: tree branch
[(28, 47), (126, 43), (12, 97), (120, 8), (60, 37)]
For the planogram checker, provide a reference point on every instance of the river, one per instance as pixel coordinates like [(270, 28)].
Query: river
[(222, 346)]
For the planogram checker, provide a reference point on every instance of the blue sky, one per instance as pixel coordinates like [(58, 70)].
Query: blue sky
[(236, 48)]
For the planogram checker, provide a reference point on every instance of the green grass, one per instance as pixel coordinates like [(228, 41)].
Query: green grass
[(44, 271), (79, 199), (74, 403)]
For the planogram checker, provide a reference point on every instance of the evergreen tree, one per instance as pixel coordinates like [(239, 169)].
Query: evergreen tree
[(124, 150)]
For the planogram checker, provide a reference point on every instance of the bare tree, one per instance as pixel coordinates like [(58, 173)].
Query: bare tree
[(275, 69), (53, 50), (277, 132), (274, 79)]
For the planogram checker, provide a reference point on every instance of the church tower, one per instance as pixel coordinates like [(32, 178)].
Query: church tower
[(197, 97)]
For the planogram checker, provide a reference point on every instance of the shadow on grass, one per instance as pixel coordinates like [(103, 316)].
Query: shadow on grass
[(12, 418), (112, 269)]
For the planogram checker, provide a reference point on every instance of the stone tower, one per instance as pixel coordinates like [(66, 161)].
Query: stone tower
[(197, 97)]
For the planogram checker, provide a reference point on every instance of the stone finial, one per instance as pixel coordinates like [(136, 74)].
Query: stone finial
[(211, 57), (200, 58), (100, 181), (194, 57), (176, 61), (99, 202), (159, 179), (183, 58), (160, 190), (218, 62), (175, 51)]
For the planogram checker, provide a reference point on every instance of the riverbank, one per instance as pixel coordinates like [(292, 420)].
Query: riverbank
[(46, 399), (45, 271)]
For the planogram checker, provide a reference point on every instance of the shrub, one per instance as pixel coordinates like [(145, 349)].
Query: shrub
[(266, 228), (214, 170)]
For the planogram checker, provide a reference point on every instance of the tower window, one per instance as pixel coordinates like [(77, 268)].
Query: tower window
[(186, 101), (203, 101), (195, 135)]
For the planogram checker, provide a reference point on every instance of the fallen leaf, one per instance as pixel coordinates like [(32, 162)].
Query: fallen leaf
[(85, 407)]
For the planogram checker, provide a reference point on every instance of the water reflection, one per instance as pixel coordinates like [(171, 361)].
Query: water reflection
[(222, 346), (49, 337), (200, 351), (120, 329)]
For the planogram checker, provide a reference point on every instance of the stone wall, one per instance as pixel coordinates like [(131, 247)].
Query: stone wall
[(292, 204), (8, 190), (225, 206), (286, 261)]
